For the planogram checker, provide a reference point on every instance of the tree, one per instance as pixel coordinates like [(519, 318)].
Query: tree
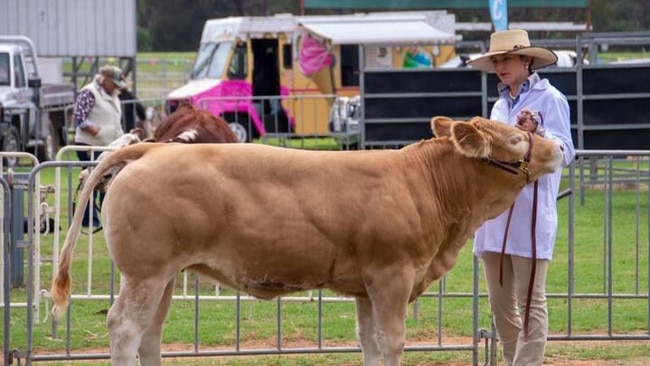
[(619, 16), (176, 25)]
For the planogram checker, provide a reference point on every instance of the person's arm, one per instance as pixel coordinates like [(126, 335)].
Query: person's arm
[(83, 105), (556, 123), (139, 111)]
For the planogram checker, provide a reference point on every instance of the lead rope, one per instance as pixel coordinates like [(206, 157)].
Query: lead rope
[(503, 246), (533, 269), (76, 196)]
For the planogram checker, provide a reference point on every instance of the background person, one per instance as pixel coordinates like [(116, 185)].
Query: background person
[(133, 112), (532, 104), (98, 117)]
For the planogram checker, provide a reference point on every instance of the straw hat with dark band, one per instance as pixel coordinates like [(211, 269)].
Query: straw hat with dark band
[(514, 42)]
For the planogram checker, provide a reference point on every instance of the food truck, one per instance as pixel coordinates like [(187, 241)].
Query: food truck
[(294, 74)]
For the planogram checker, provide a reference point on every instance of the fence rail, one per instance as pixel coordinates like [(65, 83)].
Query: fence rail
[(611, 187)]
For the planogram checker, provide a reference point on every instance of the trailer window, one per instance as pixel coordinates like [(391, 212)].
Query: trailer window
[(4, 69), (211, 60), (20, 72), (237, 69), (349, 65), (287, 57)]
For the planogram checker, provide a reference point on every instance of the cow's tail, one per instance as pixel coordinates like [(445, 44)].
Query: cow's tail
[(62, 282)]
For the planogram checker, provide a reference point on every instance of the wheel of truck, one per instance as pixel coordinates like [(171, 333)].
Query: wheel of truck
[(242, 126), (45, 152), (240, 131), (51, 145), (11, 143)]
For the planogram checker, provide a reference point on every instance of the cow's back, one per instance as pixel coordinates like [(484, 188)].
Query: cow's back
[(269, 220)]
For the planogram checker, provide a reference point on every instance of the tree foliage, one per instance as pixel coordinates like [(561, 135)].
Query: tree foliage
[(620, 16), (176, 25)]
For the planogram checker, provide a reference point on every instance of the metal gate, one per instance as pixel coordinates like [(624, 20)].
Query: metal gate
[(595, 178)]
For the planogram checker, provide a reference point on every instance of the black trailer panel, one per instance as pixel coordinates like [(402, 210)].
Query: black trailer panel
[(608, 103)]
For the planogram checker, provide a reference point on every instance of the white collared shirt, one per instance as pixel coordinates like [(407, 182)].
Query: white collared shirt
[(537, 95)]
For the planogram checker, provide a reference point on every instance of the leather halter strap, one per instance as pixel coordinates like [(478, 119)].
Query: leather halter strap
[(533, 231), (533, 268), (519, 166)]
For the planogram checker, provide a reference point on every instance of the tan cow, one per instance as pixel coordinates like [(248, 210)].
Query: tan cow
[(378, 225)]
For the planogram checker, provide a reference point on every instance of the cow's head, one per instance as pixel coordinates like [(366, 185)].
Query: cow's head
[(504, 146), (191, 125)]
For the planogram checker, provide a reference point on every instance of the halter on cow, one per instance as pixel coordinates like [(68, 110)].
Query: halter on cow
[(516, 167)]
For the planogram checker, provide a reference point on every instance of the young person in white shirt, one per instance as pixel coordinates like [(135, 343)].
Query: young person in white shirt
[(512, 258)]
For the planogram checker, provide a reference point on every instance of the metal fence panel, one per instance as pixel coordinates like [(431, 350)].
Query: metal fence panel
[(593, 279)]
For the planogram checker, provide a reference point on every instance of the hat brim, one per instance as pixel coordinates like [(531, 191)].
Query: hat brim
[(542, 57), (119, 83)]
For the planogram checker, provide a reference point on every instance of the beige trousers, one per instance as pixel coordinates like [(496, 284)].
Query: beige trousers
[(508, 304)]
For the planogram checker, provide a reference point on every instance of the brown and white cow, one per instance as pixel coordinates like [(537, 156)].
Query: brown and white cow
[(187, 124), (378, 225), (191, 125)]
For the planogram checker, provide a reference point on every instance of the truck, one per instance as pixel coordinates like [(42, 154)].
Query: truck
[(33, 114), (300, 75)]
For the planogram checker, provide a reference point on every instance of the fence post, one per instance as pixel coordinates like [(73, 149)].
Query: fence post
[(17, 234), (6, 280)]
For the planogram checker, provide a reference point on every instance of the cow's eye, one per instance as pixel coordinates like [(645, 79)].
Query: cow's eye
[(516, 140)]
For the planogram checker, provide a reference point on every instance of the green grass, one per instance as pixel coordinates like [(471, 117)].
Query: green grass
[(299, 320), (608, 57), (179, 58), (310, 143), (172, 61)]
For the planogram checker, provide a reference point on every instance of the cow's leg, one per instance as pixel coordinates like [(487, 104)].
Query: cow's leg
[(130, 316), (389, 291), (149, 351), (366, 332)]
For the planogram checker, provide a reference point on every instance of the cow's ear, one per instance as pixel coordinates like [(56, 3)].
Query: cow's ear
[(469, 140), (441, 126)]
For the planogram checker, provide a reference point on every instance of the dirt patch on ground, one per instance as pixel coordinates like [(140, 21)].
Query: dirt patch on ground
[(555, 358), (556, 354)]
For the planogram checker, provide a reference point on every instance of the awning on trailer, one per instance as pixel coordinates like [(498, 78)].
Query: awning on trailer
[(378, 30)]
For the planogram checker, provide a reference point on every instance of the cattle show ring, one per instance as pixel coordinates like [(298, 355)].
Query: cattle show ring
[(324, 217), (597, 293)]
